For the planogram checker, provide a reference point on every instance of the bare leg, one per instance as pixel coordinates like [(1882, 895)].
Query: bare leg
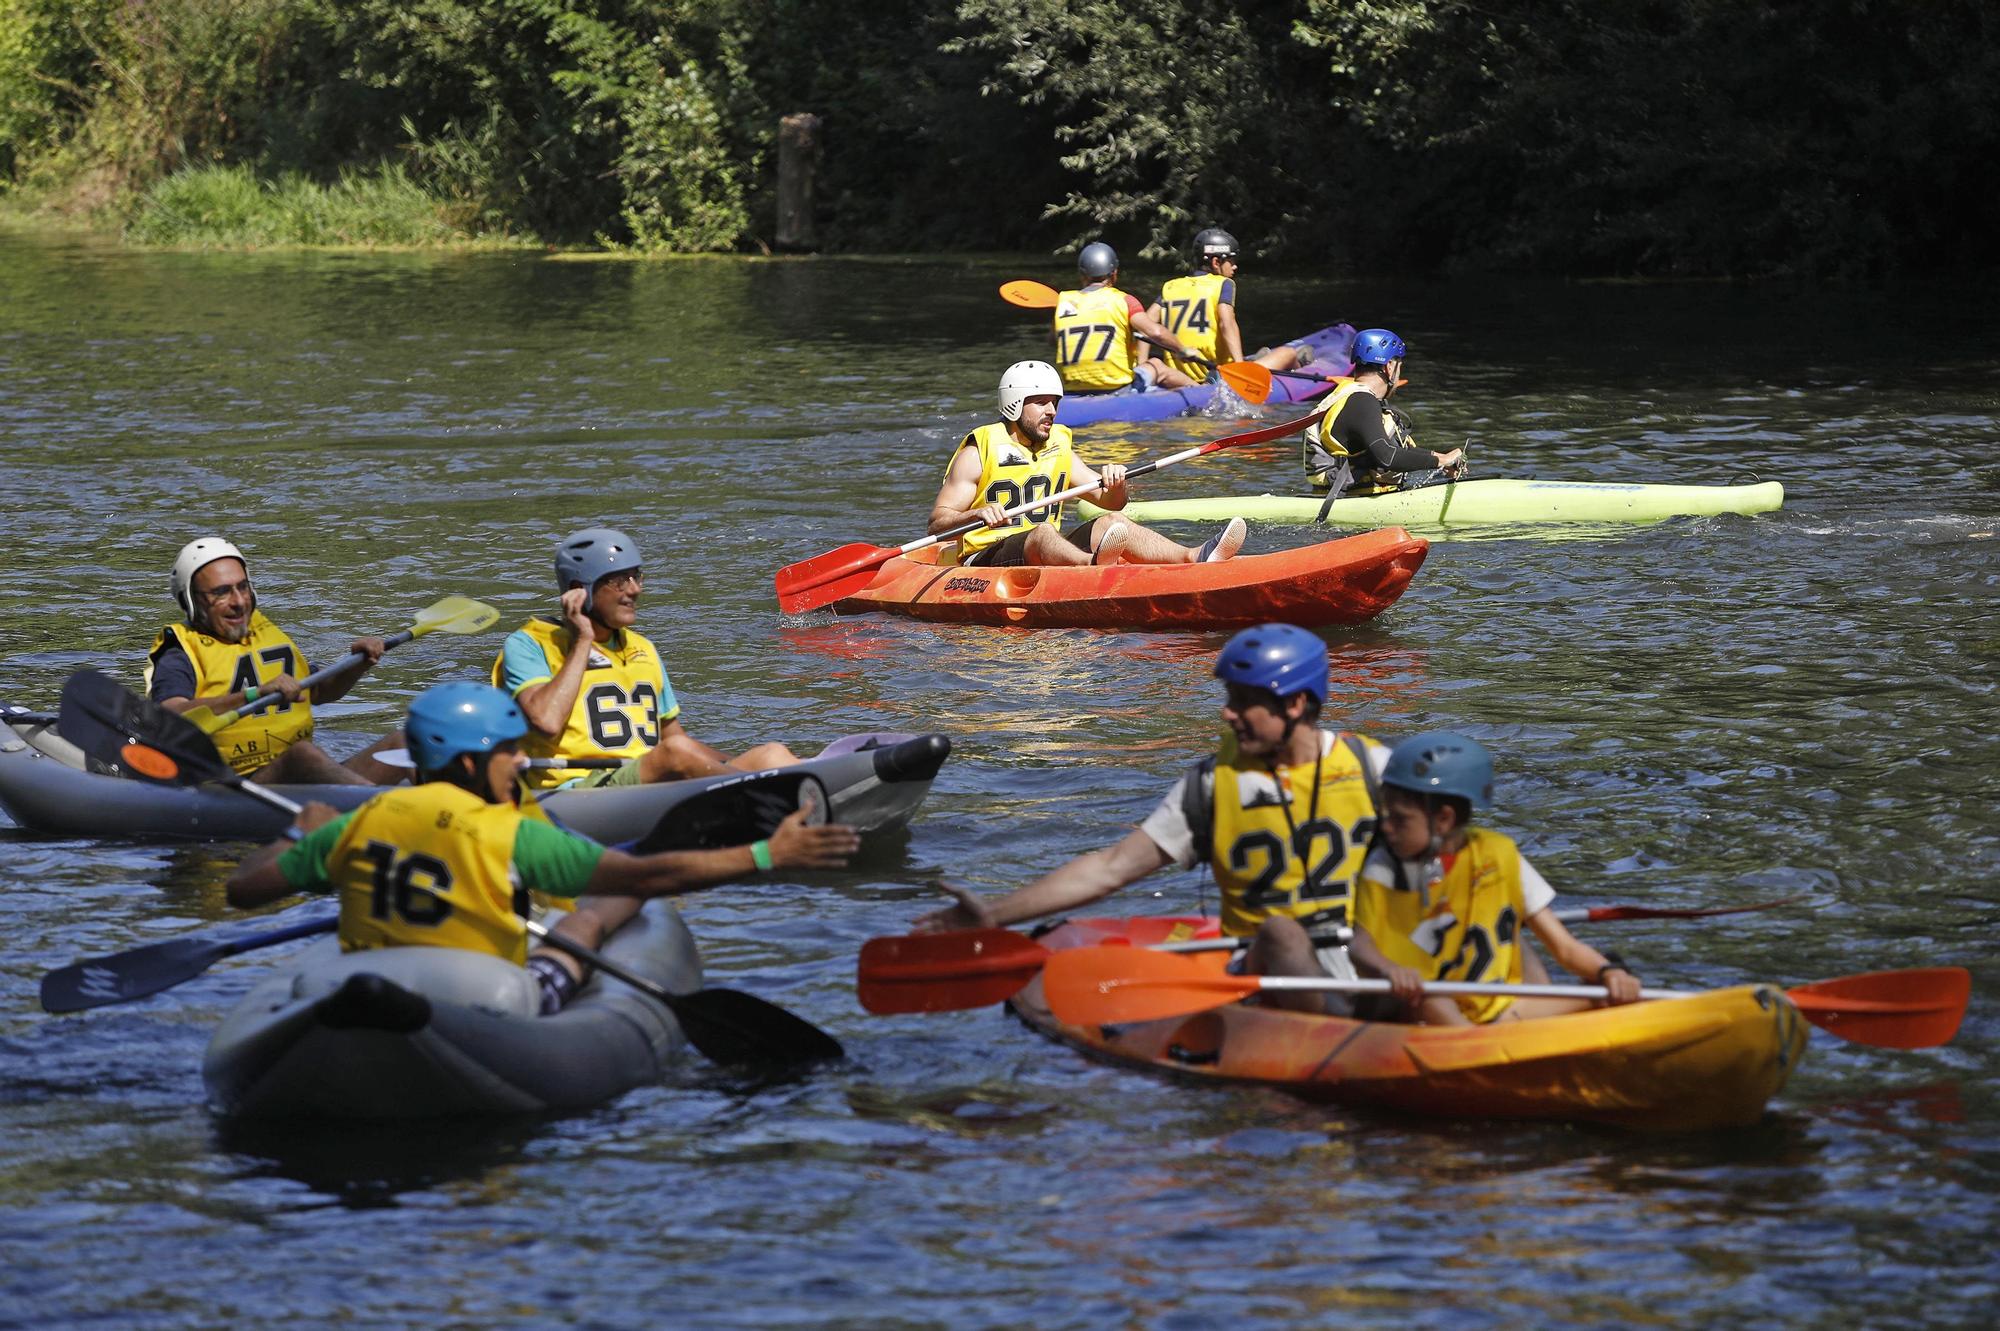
[(592, 921), (1048, 546), (678, 757), (1279, 358), (1164, 376), (307, 764), (1282, 947), (1143, 545), (363, 764), (764, 757)]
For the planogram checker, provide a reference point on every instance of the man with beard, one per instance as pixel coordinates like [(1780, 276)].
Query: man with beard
[(228, 654)]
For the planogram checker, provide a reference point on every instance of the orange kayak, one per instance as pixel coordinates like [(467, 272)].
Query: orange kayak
[(1706, 1061), (1335, 582)]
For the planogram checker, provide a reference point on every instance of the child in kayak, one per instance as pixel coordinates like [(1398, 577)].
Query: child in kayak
[(1439, 899)]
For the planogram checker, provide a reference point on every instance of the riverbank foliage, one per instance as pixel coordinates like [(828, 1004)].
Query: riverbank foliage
[(1586, 137)]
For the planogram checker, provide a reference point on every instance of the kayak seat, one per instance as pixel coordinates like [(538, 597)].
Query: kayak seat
[(370, 1003), (440, 974)]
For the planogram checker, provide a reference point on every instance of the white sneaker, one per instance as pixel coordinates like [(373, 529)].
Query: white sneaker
[(1112, 545), (1224, 544)]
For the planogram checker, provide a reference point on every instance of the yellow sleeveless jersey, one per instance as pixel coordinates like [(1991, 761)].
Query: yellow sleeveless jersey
[(1367, 480), (1009, 475), (1094, 339), (1280, 847), (222, 667), (1189, 305), (1465, 928), (429, 866), (619, 710)]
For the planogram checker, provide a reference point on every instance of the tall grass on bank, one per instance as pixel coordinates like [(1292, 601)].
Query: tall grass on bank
[(231, 207)]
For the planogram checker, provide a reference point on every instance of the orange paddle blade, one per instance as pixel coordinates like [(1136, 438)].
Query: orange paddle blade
[(1247, 379), (1913, 1009), (1108, 986), (969, 968), (1028, 294), (827, 578)]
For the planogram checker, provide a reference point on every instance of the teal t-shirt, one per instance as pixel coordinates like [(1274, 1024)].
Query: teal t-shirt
[(547, 859)]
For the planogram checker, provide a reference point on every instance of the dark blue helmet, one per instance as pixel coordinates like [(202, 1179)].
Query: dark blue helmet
[(1376, 346), (1278, 657), (1097, 261), (594, 553), (1442, 762), (460, 717)]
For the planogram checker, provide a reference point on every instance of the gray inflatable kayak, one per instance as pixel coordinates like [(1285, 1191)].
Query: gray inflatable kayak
[(422, 1032), (875, 782)]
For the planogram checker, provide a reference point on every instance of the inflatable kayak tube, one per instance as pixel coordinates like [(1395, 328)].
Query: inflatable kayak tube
[(1339, 582), (875, 782), (422, 1032), (1712, 1060), (1329, 346), (1478, 501)]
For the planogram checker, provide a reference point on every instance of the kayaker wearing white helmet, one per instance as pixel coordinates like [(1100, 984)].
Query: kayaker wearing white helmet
[(1440, 899), (592, 686), (439, 864), (1025, 456), (1093, 332), (226, 653), (1363, 445), (1200, 310)]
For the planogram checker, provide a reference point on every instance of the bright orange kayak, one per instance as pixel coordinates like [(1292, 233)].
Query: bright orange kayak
[(1336, 582), (1706, 1061)]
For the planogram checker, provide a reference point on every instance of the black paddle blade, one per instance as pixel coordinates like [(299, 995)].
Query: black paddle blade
[(736, 811), (736, 1029), (134, 737), (142, 971)]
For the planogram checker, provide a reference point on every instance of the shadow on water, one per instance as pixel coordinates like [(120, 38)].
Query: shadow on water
[(370, 1166)]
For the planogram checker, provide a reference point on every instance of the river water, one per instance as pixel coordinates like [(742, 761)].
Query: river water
[(1705, 712)]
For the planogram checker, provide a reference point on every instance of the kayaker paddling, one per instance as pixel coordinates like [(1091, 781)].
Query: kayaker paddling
[(1026, 455), (1093, 331), (1363, 446), (592, 686), (1440, 899), (1200, 310), (440, 863), (226, 654), (1281, 816)]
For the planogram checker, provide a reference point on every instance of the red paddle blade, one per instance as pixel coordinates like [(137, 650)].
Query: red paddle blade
[(1029, 295), (1247, 379), (1913, 1009), (1109, 986), (1600, 914), (823, 579), (948, 972)]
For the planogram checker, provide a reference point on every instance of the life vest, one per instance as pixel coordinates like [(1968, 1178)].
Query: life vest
[(251, 742), (1190, 306), (617, 711), (1009, 475), (1277, 847), (1465, 927), (430, 866), (1094, 339), (1330, 467)]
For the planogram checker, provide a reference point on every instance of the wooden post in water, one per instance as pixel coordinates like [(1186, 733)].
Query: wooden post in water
[(798, 156)]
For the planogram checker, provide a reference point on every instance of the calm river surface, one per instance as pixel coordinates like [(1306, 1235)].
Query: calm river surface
[(1700, 713)]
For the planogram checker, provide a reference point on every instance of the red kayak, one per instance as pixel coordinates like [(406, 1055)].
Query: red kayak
[(1336, 582)]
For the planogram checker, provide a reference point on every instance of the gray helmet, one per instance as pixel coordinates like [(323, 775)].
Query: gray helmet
[(1214, 243), (594, 553), (1097, 260)]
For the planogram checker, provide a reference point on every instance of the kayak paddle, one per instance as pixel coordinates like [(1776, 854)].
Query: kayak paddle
[(974, 968), (838, 574), (453, 614), (1247, 379), (142, 971), (1106, 986)]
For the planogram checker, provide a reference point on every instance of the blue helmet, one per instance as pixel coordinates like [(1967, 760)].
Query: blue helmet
[(1442, 762), (1278, 657), (593, 553), (1376, 346), (460, 717), (1097, 260)]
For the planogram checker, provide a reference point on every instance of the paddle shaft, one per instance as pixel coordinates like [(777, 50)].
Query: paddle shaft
[(272, 697), (1246, 983)]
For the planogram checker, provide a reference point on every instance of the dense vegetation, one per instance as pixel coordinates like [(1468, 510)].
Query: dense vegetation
[(1681, 137)]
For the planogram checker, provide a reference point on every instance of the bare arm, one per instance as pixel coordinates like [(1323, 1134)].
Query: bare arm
[(1581, 959), (1228, 338), (547, 705), (1157, 331), (336, 685), (793, 846), (957, 497), (1085, 879), (1369, 959), (258, 881)]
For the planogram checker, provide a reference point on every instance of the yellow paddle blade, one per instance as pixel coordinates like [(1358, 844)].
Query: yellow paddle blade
[(454, 614), (207, 721), (1029, 294)]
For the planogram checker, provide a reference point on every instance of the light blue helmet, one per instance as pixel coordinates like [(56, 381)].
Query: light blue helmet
[(1442, 762), (1097, 260), (460, 717), (593, 553), (1278, 657), (1376, 346)]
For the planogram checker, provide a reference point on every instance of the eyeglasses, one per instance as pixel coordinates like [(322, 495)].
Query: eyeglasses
[(621, 577), (217, 595)]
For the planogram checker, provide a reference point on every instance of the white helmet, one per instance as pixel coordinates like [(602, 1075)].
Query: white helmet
[(1023, 380), (195, 556)]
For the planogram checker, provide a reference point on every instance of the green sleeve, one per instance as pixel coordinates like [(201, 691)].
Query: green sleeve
[(304, 864), (554, 861)]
